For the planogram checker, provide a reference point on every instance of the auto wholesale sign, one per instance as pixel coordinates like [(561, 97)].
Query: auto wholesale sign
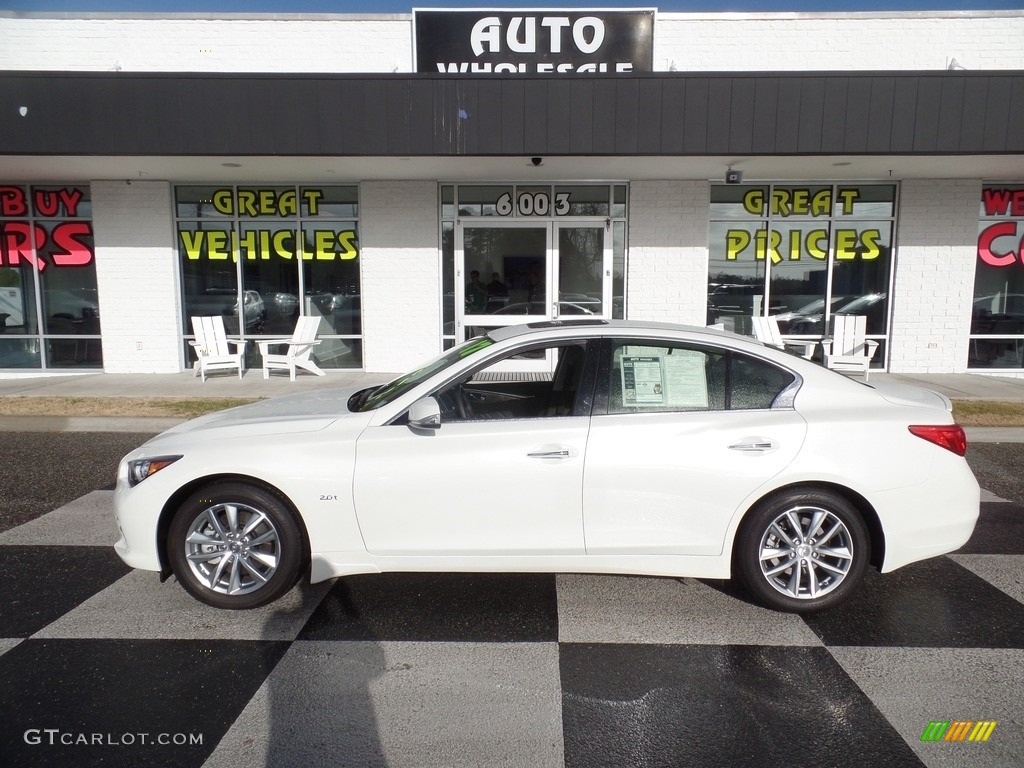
[(526, 42)]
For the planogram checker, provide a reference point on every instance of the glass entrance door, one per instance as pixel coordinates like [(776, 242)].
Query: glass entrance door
[(507, 271), (513, 272), (583, 271), (504, 274)]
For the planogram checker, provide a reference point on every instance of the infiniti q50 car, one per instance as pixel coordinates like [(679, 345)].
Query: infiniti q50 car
[(632, 448)]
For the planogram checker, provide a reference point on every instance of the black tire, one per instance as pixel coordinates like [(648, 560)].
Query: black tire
[(802, 551), (235, 545)]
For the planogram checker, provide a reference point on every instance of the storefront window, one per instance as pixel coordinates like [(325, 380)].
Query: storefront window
[(49, 310), (997, 315), (801, 253), (262, 256)]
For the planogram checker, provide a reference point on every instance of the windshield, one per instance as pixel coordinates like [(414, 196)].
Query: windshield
[(375, 398)]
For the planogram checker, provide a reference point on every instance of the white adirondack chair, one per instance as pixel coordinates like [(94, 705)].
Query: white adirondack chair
[(213, 347), (848, 350), (766, 330), (297, 355)]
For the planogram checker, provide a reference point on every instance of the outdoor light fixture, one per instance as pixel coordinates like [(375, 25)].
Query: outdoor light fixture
[(733, 177)]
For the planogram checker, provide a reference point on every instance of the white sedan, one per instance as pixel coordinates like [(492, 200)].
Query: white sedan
[(647, 449)]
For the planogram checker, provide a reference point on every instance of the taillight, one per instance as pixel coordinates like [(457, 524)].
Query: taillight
[(949, 436)]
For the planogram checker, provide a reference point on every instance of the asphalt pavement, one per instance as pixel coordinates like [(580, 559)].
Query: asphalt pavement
[(104, 666)]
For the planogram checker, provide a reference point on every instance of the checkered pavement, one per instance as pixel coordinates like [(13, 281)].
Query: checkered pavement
[(99, 664)]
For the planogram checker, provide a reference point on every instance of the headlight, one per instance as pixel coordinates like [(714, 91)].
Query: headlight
[(140, 469)]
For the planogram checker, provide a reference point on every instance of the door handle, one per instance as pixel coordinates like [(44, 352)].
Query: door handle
[(558, 453), (757, 445)]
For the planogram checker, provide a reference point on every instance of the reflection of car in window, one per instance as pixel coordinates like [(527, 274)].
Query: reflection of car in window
[(998, 313), (281, 305), (872, 305), (65, 304), (736, 299), (540, 308), (224, 301), (814, 309)]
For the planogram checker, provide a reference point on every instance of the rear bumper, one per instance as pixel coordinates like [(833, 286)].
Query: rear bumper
[(930, 519)]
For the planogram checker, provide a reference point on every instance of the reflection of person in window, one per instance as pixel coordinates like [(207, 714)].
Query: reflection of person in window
[(497, 293), (536, 287), (476, 295)]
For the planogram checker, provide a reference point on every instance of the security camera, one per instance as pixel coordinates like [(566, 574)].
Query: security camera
[(536, 160)]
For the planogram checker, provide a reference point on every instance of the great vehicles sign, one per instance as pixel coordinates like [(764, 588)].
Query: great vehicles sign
[(549, 42)]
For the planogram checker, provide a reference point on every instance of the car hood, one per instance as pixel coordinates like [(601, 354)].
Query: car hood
[(904, 394), (305, 412)]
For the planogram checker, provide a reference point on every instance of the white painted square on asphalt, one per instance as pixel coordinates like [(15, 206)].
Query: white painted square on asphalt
[(1005, 572), (404, 705), (915, 686), (6, 643), (138, 606), (88, 521), (629, 609)]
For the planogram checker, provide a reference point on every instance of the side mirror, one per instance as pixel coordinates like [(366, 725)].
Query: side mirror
[(425, 414)]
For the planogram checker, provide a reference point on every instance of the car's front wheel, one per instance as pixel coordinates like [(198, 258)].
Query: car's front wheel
[(234, 545), (802, 551)]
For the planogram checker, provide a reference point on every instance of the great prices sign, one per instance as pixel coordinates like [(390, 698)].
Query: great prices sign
[(34, 230), (551, 42), (852, 241), (1001, 244)]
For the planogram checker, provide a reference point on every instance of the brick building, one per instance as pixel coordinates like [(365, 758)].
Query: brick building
[(691, 168)]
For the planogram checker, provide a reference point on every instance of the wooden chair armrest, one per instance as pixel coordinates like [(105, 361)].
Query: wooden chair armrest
[(266, 344), (806, 346), (302, 346)]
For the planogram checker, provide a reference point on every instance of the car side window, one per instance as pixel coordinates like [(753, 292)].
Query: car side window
[(491, 393), (653, 377), (754, 383)]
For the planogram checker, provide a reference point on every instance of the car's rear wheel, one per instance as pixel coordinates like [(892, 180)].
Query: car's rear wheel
[(802, 551), (235, 545)]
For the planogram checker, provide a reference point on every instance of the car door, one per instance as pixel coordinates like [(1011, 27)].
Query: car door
[(486, 483), (680, 437)]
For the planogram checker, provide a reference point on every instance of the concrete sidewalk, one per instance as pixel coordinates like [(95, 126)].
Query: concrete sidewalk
[(956, 386)]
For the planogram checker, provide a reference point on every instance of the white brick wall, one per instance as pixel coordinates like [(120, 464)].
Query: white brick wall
[(400, 273), (934, 287), (668, 251), (857, 41), (137, 276), (177, 43), (383, 43)]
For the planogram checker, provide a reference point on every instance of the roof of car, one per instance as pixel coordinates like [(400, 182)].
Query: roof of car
[(602, 327)]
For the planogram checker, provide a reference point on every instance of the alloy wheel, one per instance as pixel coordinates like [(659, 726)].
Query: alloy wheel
[(806, 552), (232, 548)]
